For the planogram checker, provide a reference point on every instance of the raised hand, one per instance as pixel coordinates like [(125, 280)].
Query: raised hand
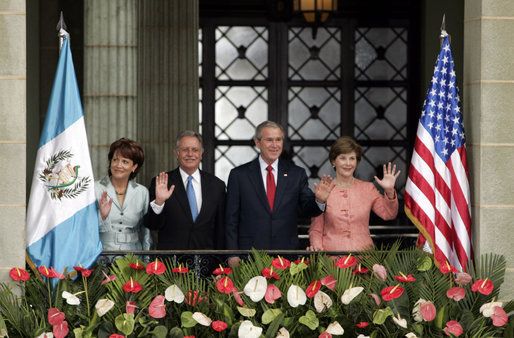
[(162, 193), (389, 180), (105, 205), (323, 188)]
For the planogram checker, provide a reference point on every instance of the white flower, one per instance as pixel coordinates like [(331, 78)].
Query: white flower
[(256, 288), (296, 296), (202, 319), (174, 294), (350, 294), (247, 330), (322, 301), (335, 328), (46, 335), (411, 335), (487, 309), (362, 336), (103, 306), (400, 321), (71, 299), (282, 333), (416, 312)]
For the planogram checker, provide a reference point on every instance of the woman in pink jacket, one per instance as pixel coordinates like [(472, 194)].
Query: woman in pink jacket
[(344, 226)]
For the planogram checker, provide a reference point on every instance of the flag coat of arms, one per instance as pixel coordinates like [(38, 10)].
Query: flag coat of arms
[(437, 194), (62, 217)]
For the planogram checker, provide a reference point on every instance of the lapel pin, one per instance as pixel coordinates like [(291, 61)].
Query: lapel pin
[(285, 175)]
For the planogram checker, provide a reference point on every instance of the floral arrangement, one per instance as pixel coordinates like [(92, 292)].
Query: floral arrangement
[(380, 293)]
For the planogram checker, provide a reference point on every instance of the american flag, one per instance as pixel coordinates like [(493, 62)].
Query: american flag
[(437, 195)]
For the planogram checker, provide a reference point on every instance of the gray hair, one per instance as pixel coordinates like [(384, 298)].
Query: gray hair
[(186, 133), (267, 124)]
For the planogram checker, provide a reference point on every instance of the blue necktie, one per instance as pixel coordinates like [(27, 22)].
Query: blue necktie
[(192, 198)]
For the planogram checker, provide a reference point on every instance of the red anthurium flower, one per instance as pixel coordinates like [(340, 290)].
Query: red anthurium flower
[(155, 268), (280, 263), (137, 265), (47, 272), (454, 328), (237, 297), (225, 285), (132, 286), (456, 293), (391, 292), (269, 273), (362, 325), (55, 316), (115, 335), (19, 275), (108, 279), (222, 271), (180, 269), (130, 307), (427, 311), (325, 335), (157, 309), (405, 278), (446, 268), (313, 288), (219, 325), (302, 260), (346, 262), (189, 337), (329, 281), (83, 271), (360, 270), (484, 286), (193, 297), (272, 294), (57, 274), (60, 330), (499, 316)]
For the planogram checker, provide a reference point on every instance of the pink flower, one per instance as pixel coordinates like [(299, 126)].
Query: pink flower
[(484, 286), (427, 311), (19, 275), (115, 335), (157, 309), (325, 335), (237, 297), (499, 316), (379, 271), (456, 293), (272, 294), (453, 327), (55, 316), (376, 298), (60, 330), (329, 281), (219, 325), (391, 292), (362, 325), (108, 279), (463, 278), (130, 307)]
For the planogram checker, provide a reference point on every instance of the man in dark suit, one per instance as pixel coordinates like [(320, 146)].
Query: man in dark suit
[(266, 196), (187, 205)]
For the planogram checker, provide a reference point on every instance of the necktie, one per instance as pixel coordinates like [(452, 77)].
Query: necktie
[(192, 198), (270, 186)]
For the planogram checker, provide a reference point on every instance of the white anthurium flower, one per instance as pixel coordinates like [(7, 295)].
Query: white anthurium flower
[(256, 288), (487, 309), (282, 333), (411, 335), (202, 319), (335, 328), (363, 336), (400, 321), (46, 335), (103, 306), (296, 296), (416, 313), (174, 294), (248, 330), (350, 294), (322, 301), (71, 298)]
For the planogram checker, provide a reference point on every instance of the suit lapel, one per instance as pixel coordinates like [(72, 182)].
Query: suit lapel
[(255, 178), (282, 181), (180, 192)]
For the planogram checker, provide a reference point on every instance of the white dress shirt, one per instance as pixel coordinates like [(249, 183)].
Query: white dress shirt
[(197, 186)]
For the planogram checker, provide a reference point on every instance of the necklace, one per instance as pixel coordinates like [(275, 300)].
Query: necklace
[(121, 193)]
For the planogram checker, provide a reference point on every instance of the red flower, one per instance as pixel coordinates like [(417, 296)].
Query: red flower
[(115, 335), (225, 285), (55, 316), (269, 273), (456, 293), (193, 297), (157, 309), (391, 292), (60, 330), (453, 327), (132, 286), (130, 307), (272, 293), (346, 262), (446, 268), (362, 325), (137, 265), (222, 271), (189, 337), (484, 286), (462, 278), (313, 288), (83, 271), (19, 274), (405, 279), (47, 272), (329, 281), (237, 297), (280, 263), (302, 260), (499, 316), (427, 311), (219, 325), (180, 269), (325, 335), (360, 270), (155, 268)]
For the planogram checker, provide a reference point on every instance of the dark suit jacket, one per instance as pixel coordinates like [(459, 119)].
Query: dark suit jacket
[(175, 224), (249, 220)]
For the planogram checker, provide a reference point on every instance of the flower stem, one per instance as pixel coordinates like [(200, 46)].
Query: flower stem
[(84, 281)]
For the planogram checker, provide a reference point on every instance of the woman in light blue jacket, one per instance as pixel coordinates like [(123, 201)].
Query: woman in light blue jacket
[(122, 203)]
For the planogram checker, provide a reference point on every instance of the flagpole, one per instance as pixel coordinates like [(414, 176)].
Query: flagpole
[(61, 29), (443, 31)]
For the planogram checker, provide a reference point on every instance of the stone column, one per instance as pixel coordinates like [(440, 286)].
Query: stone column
[(489, 110), (13, 63), (110, 75), (168, 79)]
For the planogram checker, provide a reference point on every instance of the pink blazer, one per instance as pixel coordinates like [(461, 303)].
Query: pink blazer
[(344, 226)]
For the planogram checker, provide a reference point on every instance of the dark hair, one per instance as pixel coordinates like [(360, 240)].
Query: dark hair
[(267, 124), (128, 149), (187, 133), (344, 145)]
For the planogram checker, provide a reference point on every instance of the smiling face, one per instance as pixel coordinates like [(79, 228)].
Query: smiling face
[(345, 165), (270, 144), (189, 153), (121, 167)]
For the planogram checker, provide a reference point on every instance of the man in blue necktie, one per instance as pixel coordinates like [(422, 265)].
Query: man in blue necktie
[(187, 204)]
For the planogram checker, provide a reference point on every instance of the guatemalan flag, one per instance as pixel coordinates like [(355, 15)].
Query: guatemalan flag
[(62, 219)]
